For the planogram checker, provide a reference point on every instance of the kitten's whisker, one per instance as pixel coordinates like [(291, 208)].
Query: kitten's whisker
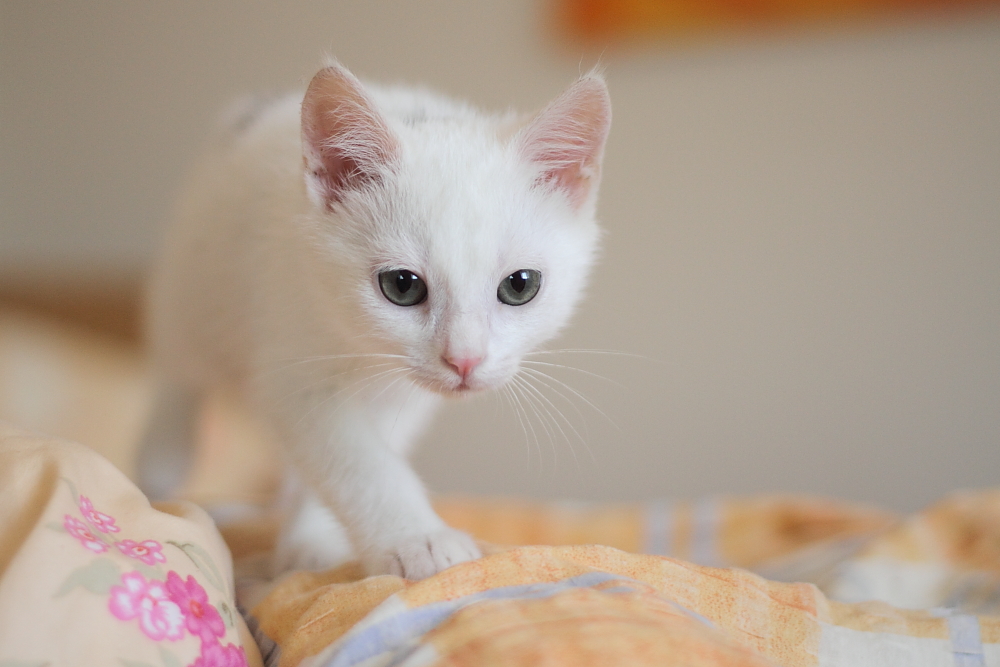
[(523, 401), (298, 361), (571, 403), (321, 402), (370, 379), (326, 378), (497, 405), (525, 423), (617, 353), (559, 413), (540, 375), (573, 368), (519, 382), (506, 393), (387, 387), (555, 422), (356, 355)]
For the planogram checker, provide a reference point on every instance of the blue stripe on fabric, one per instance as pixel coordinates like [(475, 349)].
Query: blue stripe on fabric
[(399, 632), (966, 642), (963, 632), (399, 635), (396, 632)]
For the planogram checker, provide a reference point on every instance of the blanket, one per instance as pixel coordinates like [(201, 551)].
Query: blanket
[(92, 574), (584, 604)]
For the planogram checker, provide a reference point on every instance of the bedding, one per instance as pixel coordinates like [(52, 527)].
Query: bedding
[(91, 574)]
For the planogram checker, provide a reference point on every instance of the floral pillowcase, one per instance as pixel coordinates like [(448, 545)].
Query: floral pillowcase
[(139, 592)]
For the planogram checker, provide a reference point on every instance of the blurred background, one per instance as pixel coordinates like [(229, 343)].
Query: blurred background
[(801, 199)]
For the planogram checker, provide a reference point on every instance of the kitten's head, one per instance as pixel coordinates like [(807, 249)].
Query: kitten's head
[(463, 240)]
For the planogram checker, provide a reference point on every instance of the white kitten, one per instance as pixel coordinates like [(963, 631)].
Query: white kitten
[(347, 259)]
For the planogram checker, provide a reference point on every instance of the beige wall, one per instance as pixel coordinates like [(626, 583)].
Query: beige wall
[(803, 233)]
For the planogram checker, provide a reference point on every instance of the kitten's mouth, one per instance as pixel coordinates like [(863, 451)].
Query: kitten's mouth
[(455, 386), (461, 389), (438, 386)]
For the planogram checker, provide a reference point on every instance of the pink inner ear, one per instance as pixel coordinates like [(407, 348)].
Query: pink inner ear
[(345, 142), (567, 138)]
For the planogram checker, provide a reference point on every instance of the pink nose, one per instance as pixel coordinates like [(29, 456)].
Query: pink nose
[(462, 365)]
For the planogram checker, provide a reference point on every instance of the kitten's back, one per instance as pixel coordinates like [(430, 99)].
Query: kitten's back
[(198, 305)]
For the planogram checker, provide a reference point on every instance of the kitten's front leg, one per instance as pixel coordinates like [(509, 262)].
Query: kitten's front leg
[(353, 456), (311, 537)]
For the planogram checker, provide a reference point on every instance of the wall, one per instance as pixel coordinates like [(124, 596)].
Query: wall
[(803, 240)]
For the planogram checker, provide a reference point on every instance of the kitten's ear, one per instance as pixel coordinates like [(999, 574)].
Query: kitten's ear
[(567, 138), (346, 143)]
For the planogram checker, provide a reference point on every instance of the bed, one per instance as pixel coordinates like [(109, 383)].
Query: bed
[(92, 574)]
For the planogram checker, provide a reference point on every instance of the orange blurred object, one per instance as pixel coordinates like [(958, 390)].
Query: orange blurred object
[(602, 21)]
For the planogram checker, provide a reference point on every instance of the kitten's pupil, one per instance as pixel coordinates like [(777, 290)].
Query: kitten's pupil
[(519, 281), (404, 281)]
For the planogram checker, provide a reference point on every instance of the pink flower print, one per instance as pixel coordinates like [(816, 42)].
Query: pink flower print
[(213, 654), (79, 530), (149, 552), (99, 520), (202, 619), (159, 616)]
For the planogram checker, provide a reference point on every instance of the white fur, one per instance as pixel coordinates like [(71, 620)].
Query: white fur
[(269, 284)]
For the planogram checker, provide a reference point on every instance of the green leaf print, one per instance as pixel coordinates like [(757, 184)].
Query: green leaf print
[(169, 659), (97, 577), (227, 614), (72, 489), (149, 571)]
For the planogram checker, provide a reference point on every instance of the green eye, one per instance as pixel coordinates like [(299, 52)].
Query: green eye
[(519, 287), (403, 287)]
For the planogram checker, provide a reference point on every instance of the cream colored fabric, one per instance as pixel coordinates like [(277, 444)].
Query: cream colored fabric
[(91, 574)]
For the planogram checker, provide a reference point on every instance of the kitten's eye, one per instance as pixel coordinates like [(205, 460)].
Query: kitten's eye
[(519, 287), (403, 287)]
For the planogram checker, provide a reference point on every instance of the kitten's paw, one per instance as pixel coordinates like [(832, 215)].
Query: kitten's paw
[(425, 555)]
